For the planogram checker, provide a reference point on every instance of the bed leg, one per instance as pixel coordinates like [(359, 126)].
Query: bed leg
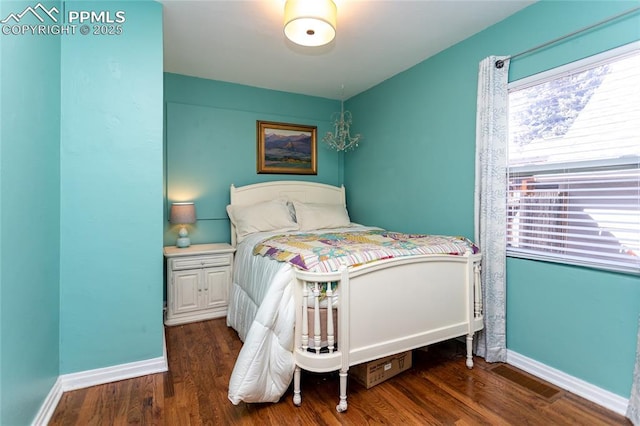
[(342, 405), (469, 350), (297, 398)]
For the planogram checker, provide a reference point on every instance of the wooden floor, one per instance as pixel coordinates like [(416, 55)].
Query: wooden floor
[(437, 390)]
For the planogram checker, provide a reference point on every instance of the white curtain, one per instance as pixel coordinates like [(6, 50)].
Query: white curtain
[(633, 410), (491, 203)]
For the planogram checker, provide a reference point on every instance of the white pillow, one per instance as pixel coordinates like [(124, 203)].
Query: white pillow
[(271, 215), (312, 216)]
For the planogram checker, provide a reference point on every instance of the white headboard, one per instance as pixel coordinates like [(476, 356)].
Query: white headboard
[(305, 192)]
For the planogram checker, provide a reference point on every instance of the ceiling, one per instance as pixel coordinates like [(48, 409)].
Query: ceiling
[(242, 41)]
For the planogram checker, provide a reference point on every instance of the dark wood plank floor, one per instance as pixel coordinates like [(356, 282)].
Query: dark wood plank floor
[(437, 390)]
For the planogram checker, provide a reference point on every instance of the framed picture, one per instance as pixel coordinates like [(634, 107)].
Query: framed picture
[(286, 148)]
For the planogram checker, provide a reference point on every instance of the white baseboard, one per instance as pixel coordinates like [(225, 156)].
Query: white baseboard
[(572, 384), (99, 376), (49, 405)]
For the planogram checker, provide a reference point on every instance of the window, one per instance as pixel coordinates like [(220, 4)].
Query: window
[(574, 163)]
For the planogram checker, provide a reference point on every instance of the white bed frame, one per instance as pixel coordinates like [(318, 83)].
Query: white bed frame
[(384, 307)]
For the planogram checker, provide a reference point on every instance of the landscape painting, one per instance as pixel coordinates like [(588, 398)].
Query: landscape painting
[(286, 148)]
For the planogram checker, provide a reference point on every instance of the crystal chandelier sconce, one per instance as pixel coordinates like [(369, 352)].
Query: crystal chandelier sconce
[(340, 139)]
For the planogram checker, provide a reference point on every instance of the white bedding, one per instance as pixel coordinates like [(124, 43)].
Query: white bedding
[(261, 310)]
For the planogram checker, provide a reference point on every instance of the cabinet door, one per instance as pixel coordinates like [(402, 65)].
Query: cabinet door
[(186, 290), (216, 286)]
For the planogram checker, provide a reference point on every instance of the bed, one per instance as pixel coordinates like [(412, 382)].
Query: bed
[(297, 311)]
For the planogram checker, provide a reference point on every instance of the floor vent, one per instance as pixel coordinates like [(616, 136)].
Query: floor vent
[(531, 383)]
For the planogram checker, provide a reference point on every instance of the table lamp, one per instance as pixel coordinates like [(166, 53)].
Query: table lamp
[(183, 214)]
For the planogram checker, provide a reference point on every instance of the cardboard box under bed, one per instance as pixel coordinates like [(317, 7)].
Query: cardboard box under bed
[(374, 372)]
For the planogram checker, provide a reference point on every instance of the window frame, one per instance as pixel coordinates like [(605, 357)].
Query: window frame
[(589, 165)]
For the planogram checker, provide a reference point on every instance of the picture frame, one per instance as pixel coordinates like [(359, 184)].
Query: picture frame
[(286, 148)]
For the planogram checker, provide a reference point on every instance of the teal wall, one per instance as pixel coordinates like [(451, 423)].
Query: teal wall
[(81, 196), (415, 172), (29, 221), (210, 136), (2, 101), (579, 321), (111, 192)]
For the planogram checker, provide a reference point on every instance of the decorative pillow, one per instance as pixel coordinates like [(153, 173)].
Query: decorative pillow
[(261, 217), (312, 216)]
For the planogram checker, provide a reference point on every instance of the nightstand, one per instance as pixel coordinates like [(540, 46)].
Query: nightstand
[(198, 282)]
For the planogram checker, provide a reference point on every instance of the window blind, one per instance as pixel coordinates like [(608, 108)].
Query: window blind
[(574, 165)]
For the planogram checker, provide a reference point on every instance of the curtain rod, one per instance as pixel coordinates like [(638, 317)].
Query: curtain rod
[(500, 63)]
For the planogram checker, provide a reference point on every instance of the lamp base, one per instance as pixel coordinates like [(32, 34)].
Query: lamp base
[(183, 242)]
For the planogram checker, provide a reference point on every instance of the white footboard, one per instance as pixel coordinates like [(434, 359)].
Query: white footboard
[(383, 308)]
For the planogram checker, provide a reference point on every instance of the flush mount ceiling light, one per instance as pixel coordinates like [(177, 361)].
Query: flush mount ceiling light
[(310, 22)]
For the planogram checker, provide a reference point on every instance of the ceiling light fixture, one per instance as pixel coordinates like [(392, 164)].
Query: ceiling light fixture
[(341, 139), (310, 22)]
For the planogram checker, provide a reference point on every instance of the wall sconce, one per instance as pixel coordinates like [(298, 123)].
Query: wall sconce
[(310, 22), (183, 214)]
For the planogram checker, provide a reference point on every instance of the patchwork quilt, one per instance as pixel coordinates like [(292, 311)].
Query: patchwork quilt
[(326, 252)]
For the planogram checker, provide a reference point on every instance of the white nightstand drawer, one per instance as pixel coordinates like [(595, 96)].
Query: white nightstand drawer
[(198, 282), (201, 262)]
